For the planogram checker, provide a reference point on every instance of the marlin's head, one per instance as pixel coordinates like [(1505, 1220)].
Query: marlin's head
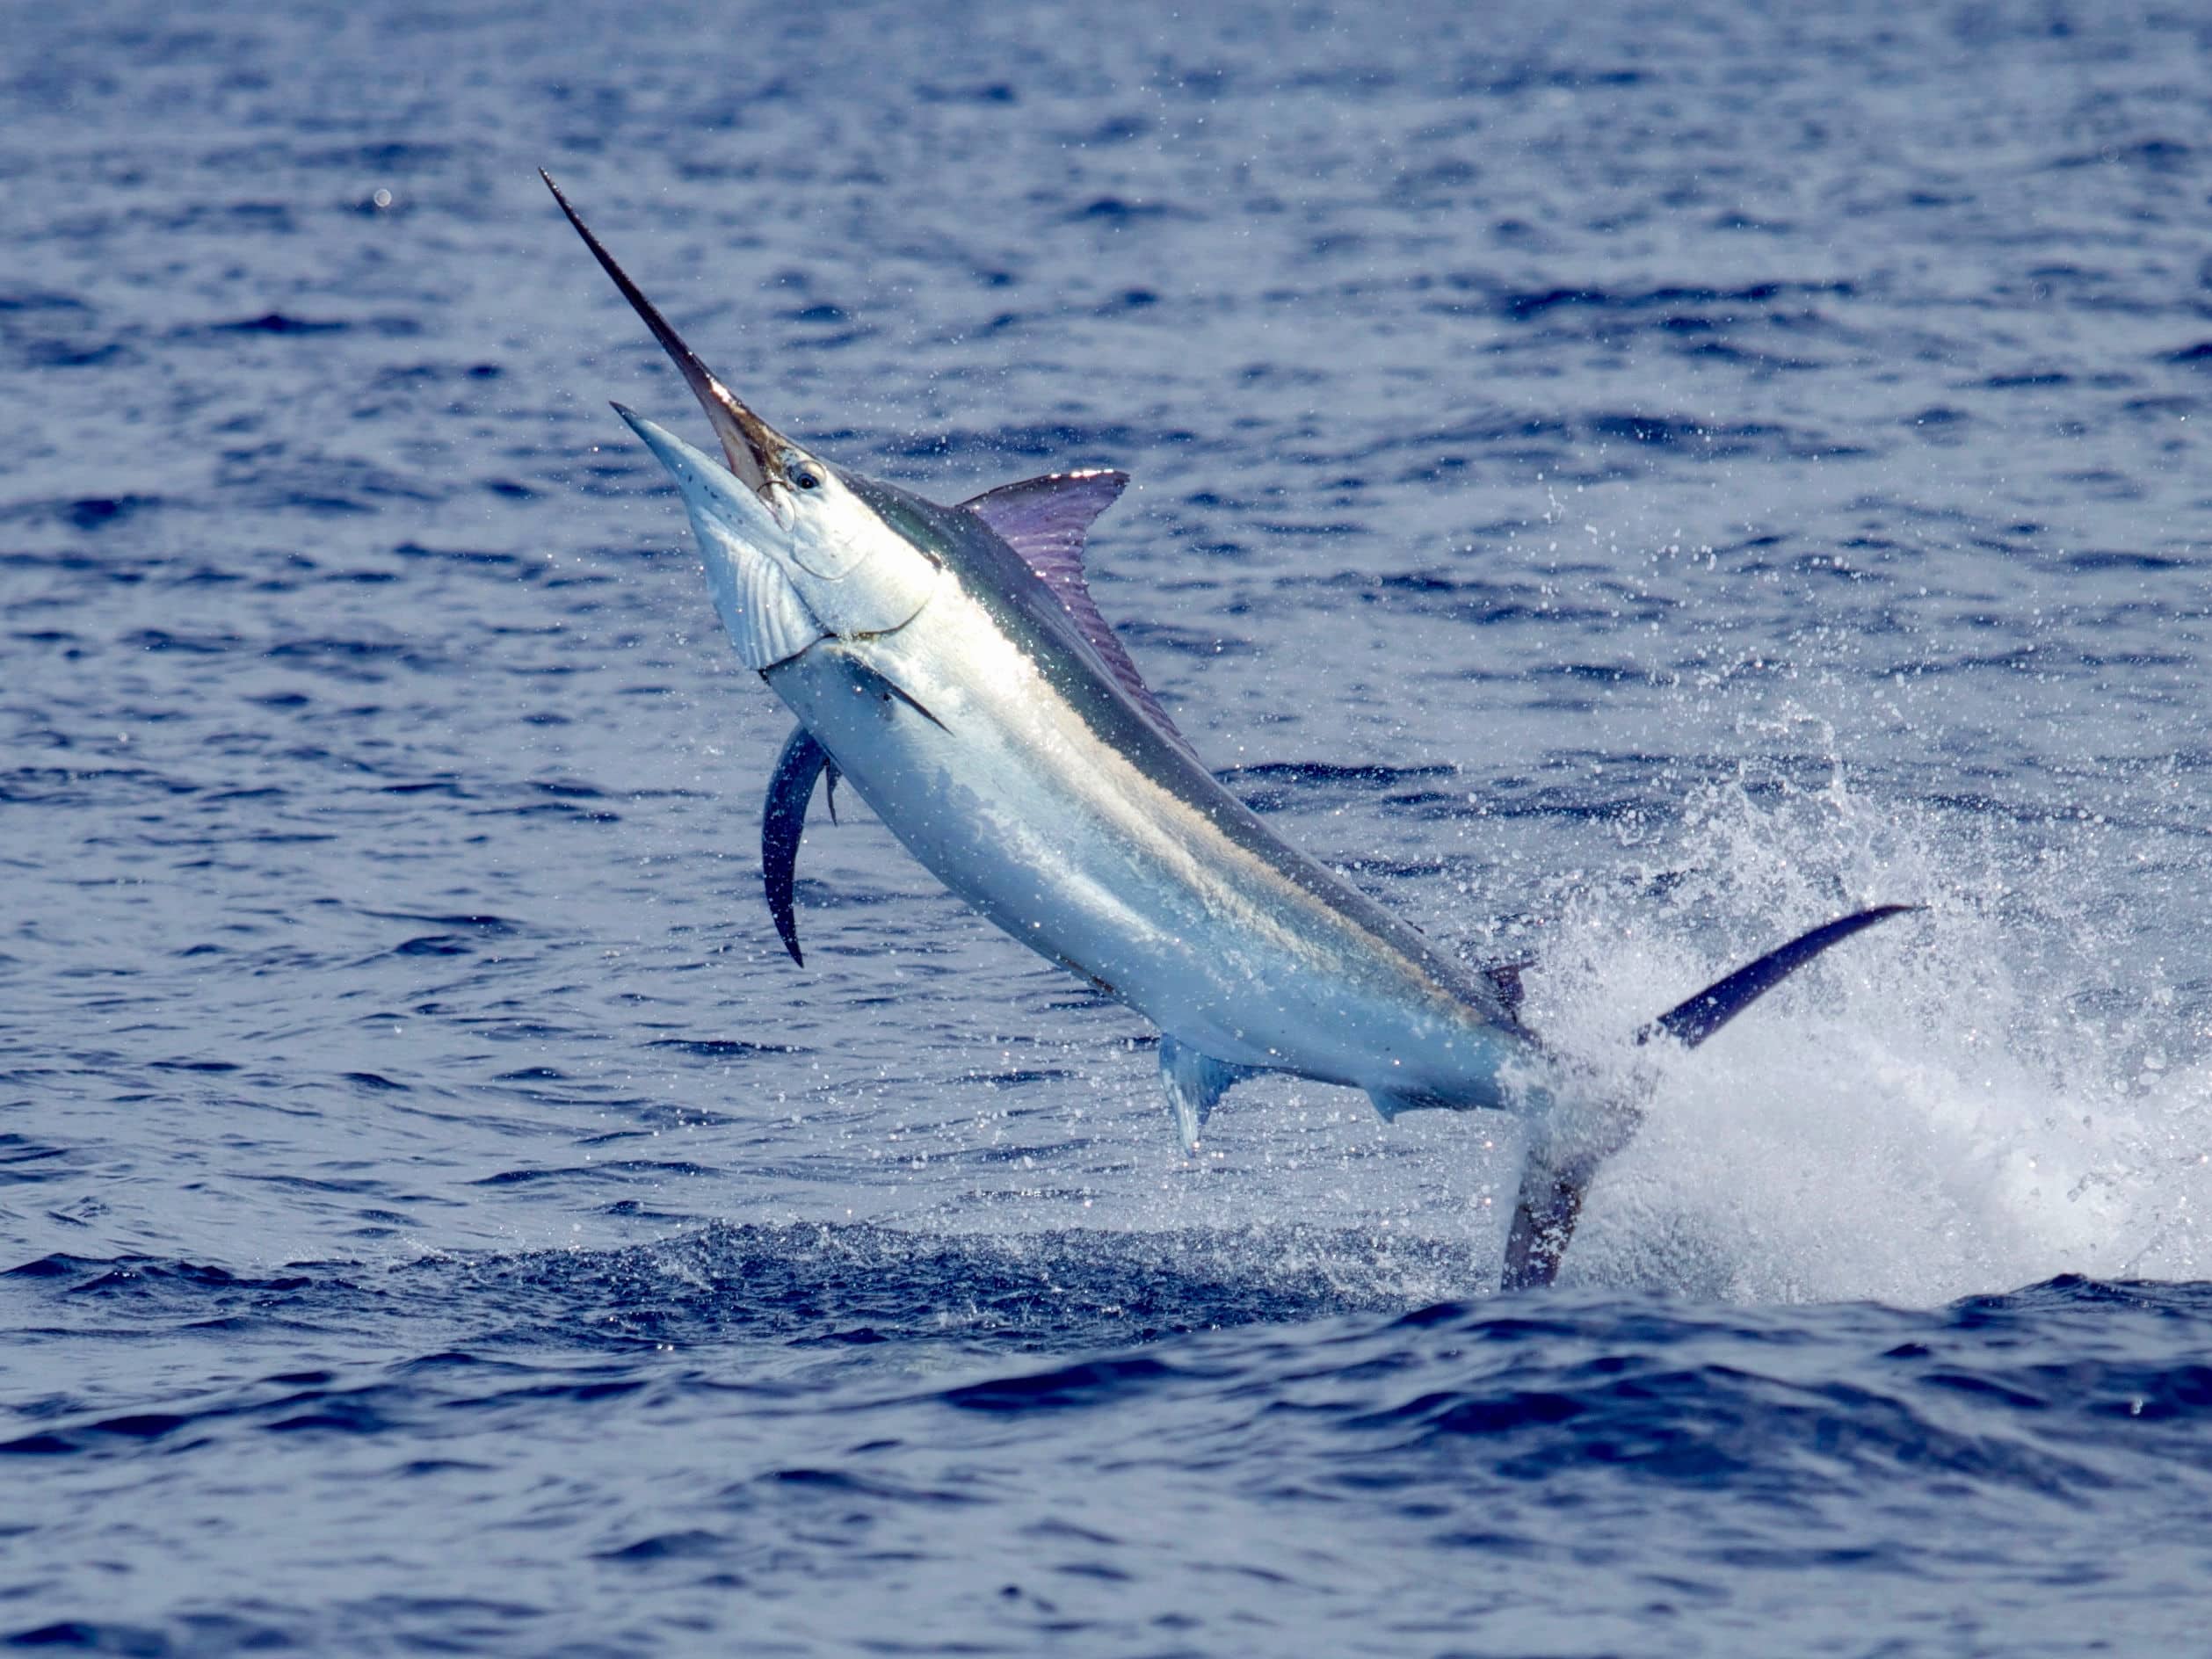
[(794, 554)]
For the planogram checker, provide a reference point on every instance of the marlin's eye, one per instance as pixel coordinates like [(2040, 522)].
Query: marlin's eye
[(805, 476)]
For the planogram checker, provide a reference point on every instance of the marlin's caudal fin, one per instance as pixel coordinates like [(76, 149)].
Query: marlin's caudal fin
[(1551, 1192), (1692, 1021)]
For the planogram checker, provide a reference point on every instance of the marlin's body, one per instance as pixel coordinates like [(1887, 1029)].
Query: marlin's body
[(1042, 792), (950, 663)]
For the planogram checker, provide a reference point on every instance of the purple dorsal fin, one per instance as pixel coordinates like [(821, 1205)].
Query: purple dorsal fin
[(1044, 521)]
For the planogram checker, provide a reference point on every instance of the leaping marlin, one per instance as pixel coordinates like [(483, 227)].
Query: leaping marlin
[(949, 664)]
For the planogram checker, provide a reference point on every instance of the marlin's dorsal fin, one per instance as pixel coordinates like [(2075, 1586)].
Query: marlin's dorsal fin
[(783, 817), (1045, 520)]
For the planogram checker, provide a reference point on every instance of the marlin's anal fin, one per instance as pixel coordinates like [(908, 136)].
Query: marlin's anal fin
[(1504, 980), (783, 819), (1194, 1082), (1387, 1106)]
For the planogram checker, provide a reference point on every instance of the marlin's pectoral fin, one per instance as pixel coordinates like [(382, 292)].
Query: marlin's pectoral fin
[(870, 680), (1692, 1021), (783, 817), (1194, 1082)]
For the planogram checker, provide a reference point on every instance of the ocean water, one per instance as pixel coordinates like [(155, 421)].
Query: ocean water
[(1625, 482)]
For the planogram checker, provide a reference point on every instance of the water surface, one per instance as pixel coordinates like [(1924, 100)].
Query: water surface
[(1623, 486)]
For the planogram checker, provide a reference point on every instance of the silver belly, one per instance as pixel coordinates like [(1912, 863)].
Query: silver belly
[(1067, 845)]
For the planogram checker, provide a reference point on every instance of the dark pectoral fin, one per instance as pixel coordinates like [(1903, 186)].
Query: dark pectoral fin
[(875, 681), (783, 819), (1690, 1022)]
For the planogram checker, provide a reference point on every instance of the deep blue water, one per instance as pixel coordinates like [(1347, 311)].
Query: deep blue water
[(1624, 482)]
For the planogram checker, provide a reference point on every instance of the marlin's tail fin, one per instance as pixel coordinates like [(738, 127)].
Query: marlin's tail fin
[(1551, 1195), (1692, 1021)]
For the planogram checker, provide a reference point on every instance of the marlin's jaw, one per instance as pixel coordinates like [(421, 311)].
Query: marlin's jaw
[(753, 446), (792, 563), (792, 554)]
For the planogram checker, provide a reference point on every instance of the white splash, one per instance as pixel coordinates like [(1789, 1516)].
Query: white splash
[(1945, 1106)]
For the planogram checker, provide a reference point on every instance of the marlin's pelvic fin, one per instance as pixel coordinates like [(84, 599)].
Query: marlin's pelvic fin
[(783, 818), (1194, 1082)]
